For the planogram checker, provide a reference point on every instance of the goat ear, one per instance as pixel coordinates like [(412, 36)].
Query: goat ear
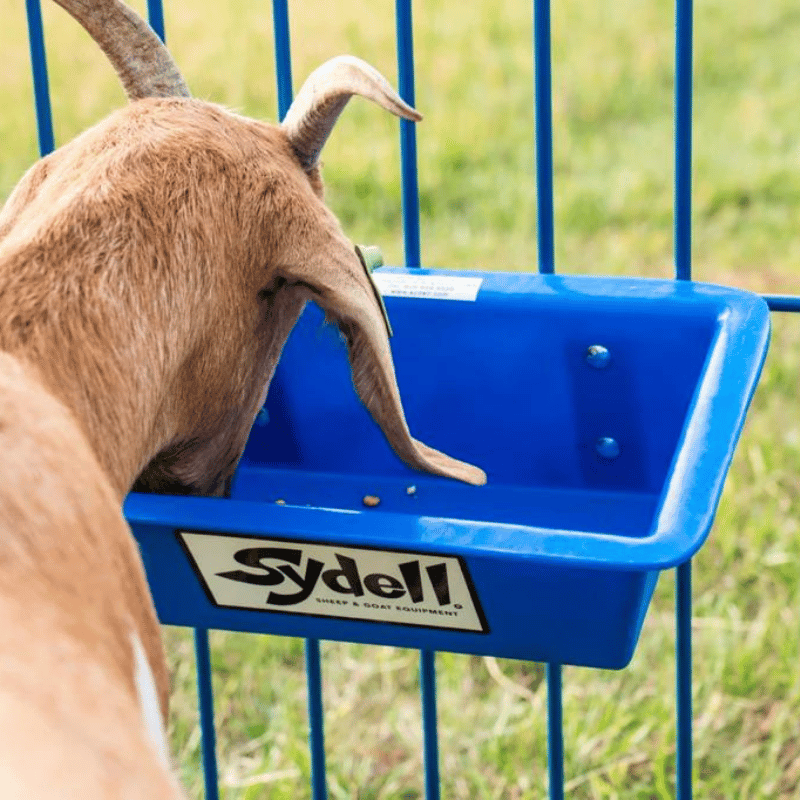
[(341, 285)]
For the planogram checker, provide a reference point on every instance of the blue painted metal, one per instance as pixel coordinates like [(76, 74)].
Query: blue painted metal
[(683, 660), (413, 259), (316, 732), (408, 135), (782, 302), (430, 727), (584, 536), (155, 15), (555, 733), (684, 21), (205, 696), (283, 56), (683, 139), (543, 107), (41, 90), (316, 719)]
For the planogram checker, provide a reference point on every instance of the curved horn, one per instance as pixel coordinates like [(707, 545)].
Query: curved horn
[(142, 62), (325, 93)]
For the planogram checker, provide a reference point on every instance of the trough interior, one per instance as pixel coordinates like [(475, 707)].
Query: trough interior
[(503, 382)]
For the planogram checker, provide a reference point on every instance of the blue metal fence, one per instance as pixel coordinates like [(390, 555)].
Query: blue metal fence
[(546, 238)]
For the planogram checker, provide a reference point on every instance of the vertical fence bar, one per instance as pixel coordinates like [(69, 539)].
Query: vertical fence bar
[(430, 729), (283, 55), (41, 87), (683, 139), (316, 720), (555, 732), (155, 15), (316, 713), (205, 695), (545, 226), (684, 12), (543, 105), (413, 258), (683, 687), (408, 135)]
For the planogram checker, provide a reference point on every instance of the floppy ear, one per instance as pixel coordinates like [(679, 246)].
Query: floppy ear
[(340, 284), (327, 265)]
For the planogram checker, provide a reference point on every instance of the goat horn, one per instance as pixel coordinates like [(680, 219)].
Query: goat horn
[(323, 96), (141, 60)]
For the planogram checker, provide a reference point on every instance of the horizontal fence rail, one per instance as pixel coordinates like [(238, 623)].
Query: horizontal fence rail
[(413, 258)]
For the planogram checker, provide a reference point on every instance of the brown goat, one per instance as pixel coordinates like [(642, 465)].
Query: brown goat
[(150, 273)]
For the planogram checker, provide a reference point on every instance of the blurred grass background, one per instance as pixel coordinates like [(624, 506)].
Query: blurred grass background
[(613, 171)]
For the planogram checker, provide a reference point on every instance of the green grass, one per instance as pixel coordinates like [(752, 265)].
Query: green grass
[(613, 171)]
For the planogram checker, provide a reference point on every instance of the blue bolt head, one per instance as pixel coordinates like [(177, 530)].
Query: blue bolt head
[(607, 447), (598, 356)]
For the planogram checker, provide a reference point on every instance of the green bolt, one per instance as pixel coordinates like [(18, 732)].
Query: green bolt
[(371, 258)]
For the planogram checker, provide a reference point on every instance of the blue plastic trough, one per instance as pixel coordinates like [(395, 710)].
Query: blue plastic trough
[(604, 410)]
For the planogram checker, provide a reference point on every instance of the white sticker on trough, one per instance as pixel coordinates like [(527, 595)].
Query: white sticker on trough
[(320, 580), (434, 287)]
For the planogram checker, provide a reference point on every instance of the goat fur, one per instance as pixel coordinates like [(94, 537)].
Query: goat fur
[(73, 592), (150, 273)]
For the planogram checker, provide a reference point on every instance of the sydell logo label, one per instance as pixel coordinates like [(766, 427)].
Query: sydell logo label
[(344, 582)]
